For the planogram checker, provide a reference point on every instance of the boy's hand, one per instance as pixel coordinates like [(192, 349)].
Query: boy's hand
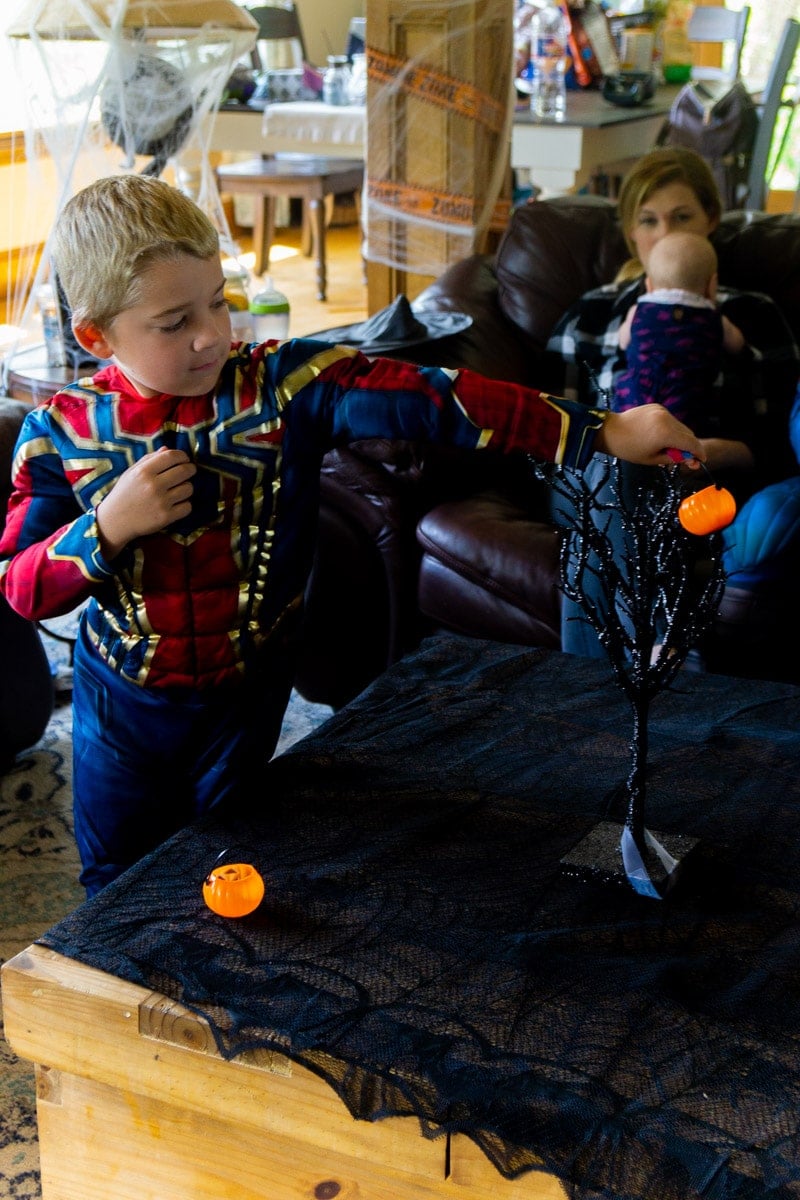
[(146, 498), (644, 435)]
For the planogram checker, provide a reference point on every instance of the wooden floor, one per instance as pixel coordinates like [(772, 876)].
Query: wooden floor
[(295, 275)]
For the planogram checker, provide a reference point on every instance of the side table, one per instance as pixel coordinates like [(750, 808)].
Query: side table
[(31, 380)]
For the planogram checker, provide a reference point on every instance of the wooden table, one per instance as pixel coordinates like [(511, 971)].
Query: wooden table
[(421, 950), (561, 157), (300, 127), (29, 378), (135, 1101)]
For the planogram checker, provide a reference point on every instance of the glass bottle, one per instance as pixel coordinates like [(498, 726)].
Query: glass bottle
[(336, 80), (237, 283)]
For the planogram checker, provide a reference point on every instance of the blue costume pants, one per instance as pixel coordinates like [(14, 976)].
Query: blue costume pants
[(148, 762)]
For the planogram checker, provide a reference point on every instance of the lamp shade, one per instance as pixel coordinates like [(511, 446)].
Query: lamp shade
[(81, 18)]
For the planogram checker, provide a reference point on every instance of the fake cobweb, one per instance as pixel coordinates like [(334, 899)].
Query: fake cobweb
[(115, 86), (440, 104)]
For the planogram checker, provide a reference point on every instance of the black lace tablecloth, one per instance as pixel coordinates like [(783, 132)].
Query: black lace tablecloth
[(420, 947)]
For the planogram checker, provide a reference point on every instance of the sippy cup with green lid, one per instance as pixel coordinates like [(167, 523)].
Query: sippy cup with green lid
[(269, 310)]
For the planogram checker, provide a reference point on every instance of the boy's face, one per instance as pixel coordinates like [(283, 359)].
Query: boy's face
[(177, 337)]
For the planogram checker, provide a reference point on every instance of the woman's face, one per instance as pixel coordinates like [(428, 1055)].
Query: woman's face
[(666, 210)]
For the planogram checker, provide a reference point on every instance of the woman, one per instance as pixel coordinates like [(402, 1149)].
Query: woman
[(747, 417)]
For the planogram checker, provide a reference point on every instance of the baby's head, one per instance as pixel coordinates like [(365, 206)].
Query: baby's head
[(683, 260), (115, 228)]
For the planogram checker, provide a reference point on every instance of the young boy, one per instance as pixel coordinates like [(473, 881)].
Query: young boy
[(674, 335), (177, 490)]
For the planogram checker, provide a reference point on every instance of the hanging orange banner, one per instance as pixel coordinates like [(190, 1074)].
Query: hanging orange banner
[(437, 88), (415, 201)]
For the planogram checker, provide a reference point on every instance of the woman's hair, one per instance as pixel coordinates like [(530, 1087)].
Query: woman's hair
[(658, 169), (112, 230)]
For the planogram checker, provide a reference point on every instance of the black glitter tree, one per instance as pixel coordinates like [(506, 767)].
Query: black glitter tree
[(632, 568)]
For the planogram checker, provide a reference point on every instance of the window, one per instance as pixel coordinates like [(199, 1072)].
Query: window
[(763, 31), (12, 99)]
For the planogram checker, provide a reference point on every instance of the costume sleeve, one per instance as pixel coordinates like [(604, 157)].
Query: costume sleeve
[(384, 398), (50, 556)]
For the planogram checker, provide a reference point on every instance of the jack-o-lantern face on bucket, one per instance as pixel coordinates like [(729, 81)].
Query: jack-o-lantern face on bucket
[(233, 890)]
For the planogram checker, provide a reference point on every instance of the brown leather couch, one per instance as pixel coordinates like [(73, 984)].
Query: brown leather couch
[(412, 539)]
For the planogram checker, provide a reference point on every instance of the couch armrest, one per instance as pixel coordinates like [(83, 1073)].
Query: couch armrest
[(490, 569), (491, 345)]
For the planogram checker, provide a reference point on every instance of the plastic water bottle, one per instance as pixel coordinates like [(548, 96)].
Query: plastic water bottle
[(55, 348), (549, 38), (269, 312)]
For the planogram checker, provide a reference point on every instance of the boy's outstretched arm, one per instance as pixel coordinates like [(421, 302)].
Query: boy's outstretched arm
[(382, 398), (645, 434)]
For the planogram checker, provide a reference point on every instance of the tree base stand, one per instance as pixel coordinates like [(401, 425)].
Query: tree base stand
[(597, 858)]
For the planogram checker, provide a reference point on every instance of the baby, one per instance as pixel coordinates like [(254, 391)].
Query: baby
[(674, 335)]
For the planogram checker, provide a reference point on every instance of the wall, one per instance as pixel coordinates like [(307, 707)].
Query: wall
[(325, 25)]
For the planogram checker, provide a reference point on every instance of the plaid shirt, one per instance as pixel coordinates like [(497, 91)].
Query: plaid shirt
[(752, 397)]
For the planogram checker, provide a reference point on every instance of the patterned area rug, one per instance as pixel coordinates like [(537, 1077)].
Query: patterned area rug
[(38, 886)]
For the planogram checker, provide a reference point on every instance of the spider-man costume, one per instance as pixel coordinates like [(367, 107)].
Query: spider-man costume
[(184, 663)]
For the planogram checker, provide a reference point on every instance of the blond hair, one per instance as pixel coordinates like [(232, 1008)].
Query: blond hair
[(658, 169), (112, 230)]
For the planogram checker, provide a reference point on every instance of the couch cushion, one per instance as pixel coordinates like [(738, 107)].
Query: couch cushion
[(489, 569), (551, 253), (760, 252)]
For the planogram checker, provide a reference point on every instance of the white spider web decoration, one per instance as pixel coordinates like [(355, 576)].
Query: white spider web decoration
[(441, 107), (114, 86)]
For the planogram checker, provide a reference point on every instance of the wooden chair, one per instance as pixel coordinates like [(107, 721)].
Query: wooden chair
[(769, 104), (308, 177), (714, 24)]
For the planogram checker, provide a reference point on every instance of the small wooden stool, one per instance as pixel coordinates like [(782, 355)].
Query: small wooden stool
[(302, 175)]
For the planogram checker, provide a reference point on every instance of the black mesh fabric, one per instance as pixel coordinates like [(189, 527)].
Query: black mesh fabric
[(419, 947)]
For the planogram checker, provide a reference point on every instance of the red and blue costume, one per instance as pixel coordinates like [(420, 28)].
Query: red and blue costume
[(184, 663)]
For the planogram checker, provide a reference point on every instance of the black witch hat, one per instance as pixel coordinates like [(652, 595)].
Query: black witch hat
[(395, 327)]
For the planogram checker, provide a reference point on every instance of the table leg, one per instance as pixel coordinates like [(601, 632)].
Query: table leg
[(263, 232), (317, 219)]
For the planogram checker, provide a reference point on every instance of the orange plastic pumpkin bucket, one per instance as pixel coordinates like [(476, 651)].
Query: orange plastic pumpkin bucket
[(233, 890), (706, 511)]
